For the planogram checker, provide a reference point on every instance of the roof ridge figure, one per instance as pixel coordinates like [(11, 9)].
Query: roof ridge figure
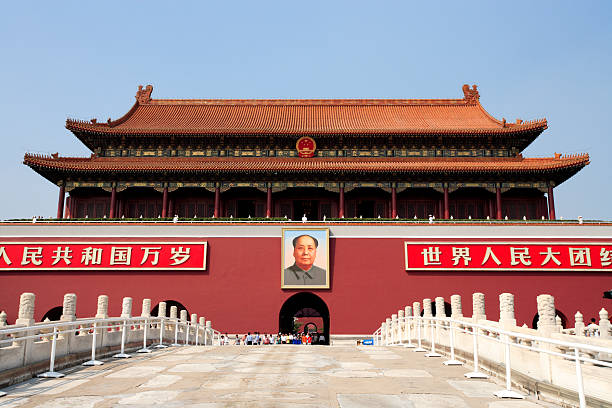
[(144, 95), (471, 95)]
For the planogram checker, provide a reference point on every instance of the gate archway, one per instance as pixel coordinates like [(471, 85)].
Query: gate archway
[(303, 305)]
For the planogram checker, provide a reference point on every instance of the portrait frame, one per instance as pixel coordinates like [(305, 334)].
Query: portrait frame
[(321, 260)]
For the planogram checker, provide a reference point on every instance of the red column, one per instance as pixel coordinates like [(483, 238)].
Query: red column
[(171, 207), (446, 209), (393, 202), (341, 204), (164, 213), (113, 202), (269, 203), (551, 204), (217, 201), (60, 203), (498, 202)]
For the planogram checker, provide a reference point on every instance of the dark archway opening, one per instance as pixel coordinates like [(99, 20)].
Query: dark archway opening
[(53, 314), (303, 305), (169, 304), (447, 309), (536, 319)]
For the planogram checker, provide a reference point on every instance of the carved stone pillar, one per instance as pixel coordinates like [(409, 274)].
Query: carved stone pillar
[(184, 316), (579, 326), (456, 309), (546, 313), (146, 308), (506, 309), (161, 309), (427, 308), (126, 307), (416, 309), (478, 306), (173, 312), (69, 308), (102, 311), (604, 324), (440, 312), (26, 309)]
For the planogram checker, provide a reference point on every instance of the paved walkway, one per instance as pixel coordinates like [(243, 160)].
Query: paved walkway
[(265, 376)]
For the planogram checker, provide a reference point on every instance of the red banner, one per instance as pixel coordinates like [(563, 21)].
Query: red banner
[(118, 256), (471, 256)]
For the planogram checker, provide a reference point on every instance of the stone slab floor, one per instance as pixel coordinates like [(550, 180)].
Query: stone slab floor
[(265, 376)]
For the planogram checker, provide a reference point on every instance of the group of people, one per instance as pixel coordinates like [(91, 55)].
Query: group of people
[(256, 338)]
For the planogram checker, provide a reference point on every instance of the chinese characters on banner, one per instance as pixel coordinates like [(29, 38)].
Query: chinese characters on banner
[(81, 255), (555, 256)]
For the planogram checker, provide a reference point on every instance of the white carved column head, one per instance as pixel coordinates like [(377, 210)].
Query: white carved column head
[(427, 308), (161, 309), (184, 315), (506, 309), (456, 309), (604, 324), (408, 311), (202, 321), (579, 326), (546, 313), (146, 308), (400, 314), (478, 306), (126, 307), (102, 311), (2, 318), (394, 318), (26, 309), (69, 308), (440, 309), (416, 309), (194, 318), (208, 324), (173, 312)]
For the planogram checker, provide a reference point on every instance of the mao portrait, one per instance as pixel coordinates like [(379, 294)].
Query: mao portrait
[(305, 258)]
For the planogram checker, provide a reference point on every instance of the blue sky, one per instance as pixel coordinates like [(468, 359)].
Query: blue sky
[(549, 59)]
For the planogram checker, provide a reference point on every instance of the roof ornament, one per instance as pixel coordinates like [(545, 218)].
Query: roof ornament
[(144, 95), (471, 95)]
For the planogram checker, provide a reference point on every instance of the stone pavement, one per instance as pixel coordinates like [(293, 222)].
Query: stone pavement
[(266, 376)]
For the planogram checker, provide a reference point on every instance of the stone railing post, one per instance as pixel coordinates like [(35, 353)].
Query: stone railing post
[(506, 310), (146, 308), (401, 325), (102, 311), (161, 312), (579, 326), (604, 324), (394, 327), (173, 312), (427, 308), (69, 308), (126, 307), (440, 308), (546, 313), (25, 316), (456, 309), (478, 307), (209, 331), (408, 313), (388, 329)]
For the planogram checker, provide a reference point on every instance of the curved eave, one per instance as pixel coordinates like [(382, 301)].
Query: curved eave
[(56, 169)]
